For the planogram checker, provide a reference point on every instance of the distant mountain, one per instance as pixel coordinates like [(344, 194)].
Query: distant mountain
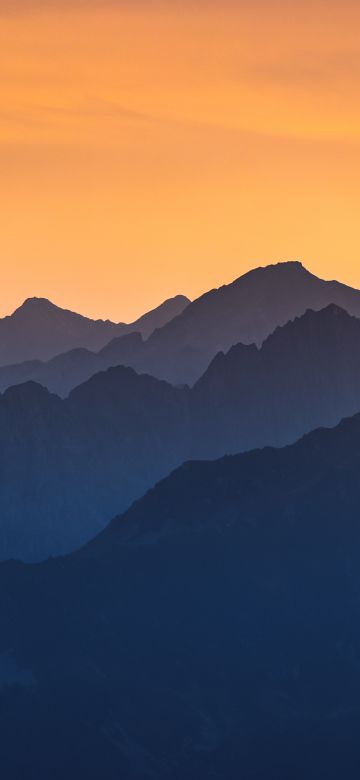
[(67, 465), (157, 318), (66, 371), (40, 330), (306, 374), (246, 311), (210, 632)]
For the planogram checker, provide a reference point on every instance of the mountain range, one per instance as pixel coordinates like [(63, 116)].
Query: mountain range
[(211, 631), (306, 374), (187, 336), (66, 466), (40, 330), (246, 311)]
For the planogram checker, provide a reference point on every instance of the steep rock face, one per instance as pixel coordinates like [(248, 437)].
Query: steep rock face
[(211, 631), (40, 330)]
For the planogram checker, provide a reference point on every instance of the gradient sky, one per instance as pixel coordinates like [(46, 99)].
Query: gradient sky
[(154, 148)]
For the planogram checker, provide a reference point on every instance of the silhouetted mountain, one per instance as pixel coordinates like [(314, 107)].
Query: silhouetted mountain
[(40, 330), (67, 465), (160, 316), (66, 371), (246, 311), (210, 632), (306, 374)]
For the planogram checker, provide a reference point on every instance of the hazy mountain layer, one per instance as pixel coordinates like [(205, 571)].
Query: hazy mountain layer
[(246, 311), (306, 374), (66, 371), (66, 466), (40, 330)]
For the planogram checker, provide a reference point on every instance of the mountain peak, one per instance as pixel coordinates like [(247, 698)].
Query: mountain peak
[(327, 315), (28, 392), (275, 269), (161, 315), (283, 265), (286, 264), (36, 299), (35, 307), (176, 299), (36, 303), (336, 310)]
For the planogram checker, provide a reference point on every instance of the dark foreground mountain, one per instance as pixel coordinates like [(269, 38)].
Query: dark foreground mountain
[(39, 330), (66, 466), (210, 632), (246, 311)]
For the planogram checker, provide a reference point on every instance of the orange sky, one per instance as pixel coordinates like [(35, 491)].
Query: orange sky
[(150, 148)]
